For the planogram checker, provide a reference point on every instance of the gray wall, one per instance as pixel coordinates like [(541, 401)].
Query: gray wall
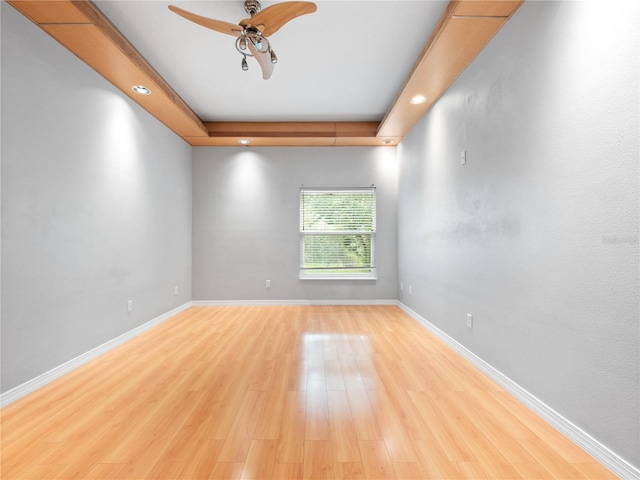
[(96, 207), (537, 235), (246, 220)]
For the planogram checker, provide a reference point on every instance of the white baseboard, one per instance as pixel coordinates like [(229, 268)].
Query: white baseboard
[(604, 455), (41, 380), (32, 385), (247, 303)]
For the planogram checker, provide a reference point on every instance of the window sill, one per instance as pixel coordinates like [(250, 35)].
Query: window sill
[(336, 277)]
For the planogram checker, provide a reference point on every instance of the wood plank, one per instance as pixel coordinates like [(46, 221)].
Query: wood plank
[(270, 419), (344, 441), (164, 470), (475, 470), (203, 459), (238, 441), (408, 470), (459, 408), (539, 429), (550, 460), (349, 471), (288, 471), (227, 471), (363, 414), (397, 398), (317, 460), (375, 459), (450, 441), (435, 462), (333, 372), (105, 471), (317, 415), (41, 472), (260, 461), (350, 373), (292, 430), (393, 431), (590, 470)]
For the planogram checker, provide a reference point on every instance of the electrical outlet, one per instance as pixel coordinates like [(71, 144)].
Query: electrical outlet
[(463, 157), (409, 289), (469, 320), (401, 286), (130, 306), (176, 290), (268, 283)]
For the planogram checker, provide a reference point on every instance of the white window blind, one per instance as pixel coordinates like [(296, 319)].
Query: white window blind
[(337, 233)]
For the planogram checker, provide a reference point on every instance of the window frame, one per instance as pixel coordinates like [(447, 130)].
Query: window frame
[(304, 273)]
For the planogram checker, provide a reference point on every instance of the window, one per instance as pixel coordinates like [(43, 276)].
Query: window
[(337, 233)]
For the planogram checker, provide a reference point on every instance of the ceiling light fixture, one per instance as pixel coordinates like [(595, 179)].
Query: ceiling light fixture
[(387, 141), (252, 37), (418, 99), (141, 90), (244, 141)]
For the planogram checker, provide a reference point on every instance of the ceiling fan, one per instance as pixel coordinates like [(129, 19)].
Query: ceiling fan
[(252, 32)]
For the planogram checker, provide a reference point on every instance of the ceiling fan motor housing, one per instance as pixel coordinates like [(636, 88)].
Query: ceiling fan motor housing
[(252, 7)]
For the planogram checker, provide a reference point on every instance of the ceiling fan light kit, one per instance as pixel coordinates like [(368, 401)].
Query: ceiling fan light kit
[(261, 44), (252, 32)]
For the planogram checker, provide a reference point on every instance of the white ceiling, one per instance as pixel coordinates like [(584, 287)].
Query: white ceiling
[(345, 62)]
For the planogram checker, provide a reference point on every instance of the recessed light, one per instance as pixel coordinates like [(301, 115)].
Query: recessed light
[(141, 90), (418, 99), (244, 141), (387, 141)]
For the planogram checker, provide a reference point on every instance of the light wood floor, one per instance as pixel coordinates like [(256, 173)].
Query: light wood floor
[(284, 393)]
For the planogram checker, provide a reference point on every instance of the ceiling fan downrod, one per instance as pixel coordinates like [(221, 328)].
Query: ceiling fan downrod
[(252, 7)]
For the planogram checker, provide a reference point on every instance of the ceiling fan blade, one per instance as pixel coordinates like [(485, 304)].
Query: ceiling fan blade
[(217, 25), (272, 18), (264, 59)]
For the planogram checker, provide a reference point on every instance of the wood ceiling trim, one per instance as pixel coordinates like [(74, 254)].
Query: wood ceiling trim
[(293, 129), (276, 129), (84, 30), (43, 12), (264, 141), (486, 8), (462, 32), (292, 134)]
